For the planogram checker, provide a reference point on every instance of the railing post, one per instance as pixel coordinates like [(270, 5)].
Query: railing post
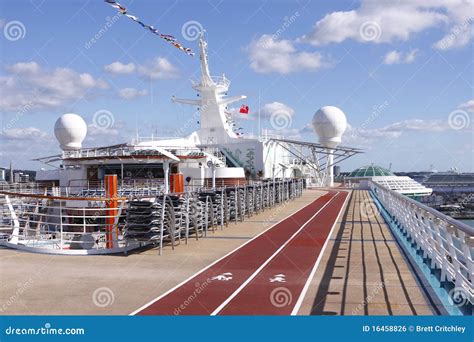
[(61, 224), (14, 220), (162, 223), (111, 212), (187, 217), (222, 208), (84, 220)]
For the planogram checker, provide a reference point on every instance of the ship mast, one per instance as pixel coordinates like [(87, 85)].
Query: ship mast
[(206, 79), (214, 123)]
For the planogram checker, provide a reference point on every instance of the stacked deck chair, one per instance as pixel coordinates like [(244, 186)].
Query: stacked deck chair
[(152, 221)]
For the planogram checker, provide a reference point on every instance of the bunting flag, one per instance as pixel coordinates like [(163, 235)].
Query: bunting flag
[(168, 38)]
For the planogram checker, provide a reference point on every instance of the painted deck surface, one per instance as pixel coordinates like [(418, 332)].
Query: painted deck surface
[(36, 284), (244, 281)]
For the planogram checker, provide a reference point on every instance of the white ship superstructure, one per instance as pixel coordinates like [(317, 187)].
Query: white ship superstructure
[(110, 199), (214, 154)]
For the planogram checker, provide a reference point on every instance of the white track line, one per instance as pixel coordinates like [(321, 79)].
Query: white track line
[(223, 257), (249, 279), (315, 267)]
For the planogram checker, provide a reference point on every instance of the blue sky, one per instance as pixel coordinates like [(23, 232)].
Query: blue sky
[(401, 71)]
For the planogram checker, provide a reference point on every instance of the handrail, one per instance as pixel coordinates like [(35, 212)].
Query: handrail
[(447, 244), (40, 220), (63, 198), (218, 80), (138, 151), (458, 224)]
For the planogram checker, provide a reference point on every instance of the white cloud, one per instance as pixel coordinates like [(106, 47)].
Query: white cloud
[(361, 136), (131, 93), (411, 56), (307, 129), (29, 133), (272, 55), (416, 125), (120, 68), (385, 22), (96, 135), (94, 131), (286, 133), (274, 108), (119, 133), (158, 68), (21, 68), (28, 85), (467, 106), (21, 145), (395, 57), (461, 30)]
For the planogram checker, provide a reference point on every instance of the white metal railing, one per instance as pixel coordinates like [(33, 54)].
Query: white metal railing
[(139, 151), (84, 188), (220, 81), (53, 224), (198, 184), (448, 243), (129, 151), (175, 216), (216, 152), (30, 187)]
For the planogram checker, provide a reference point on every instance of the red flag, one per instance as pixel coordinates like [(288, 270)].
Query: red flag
[(244, 109)]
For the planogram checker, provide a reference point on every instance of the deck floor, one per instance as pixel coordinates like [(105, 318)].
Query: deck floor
[(363, 271), (38, 284), (267, 276)]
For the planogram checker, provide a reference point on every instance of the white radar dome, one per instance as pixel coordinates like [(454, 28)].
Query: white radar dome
[(329, 123), (70, 130)]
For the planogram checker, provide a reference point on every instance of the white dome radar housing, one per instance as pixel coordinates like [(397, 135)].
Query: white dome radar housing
[(329, 123), (70, 131)]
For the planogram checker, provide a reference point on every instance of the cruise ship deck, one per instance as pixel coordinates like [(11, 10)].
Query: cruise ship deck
[(365, 272), (319, 254)]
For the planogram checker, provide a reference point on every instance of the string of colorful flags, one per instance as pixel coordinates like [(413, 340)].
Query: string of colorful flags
[(168, 38), (244, 109)]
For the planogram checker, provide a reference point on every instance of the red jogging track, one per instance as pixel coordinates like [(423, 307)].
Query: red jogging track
[(263, 277)]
